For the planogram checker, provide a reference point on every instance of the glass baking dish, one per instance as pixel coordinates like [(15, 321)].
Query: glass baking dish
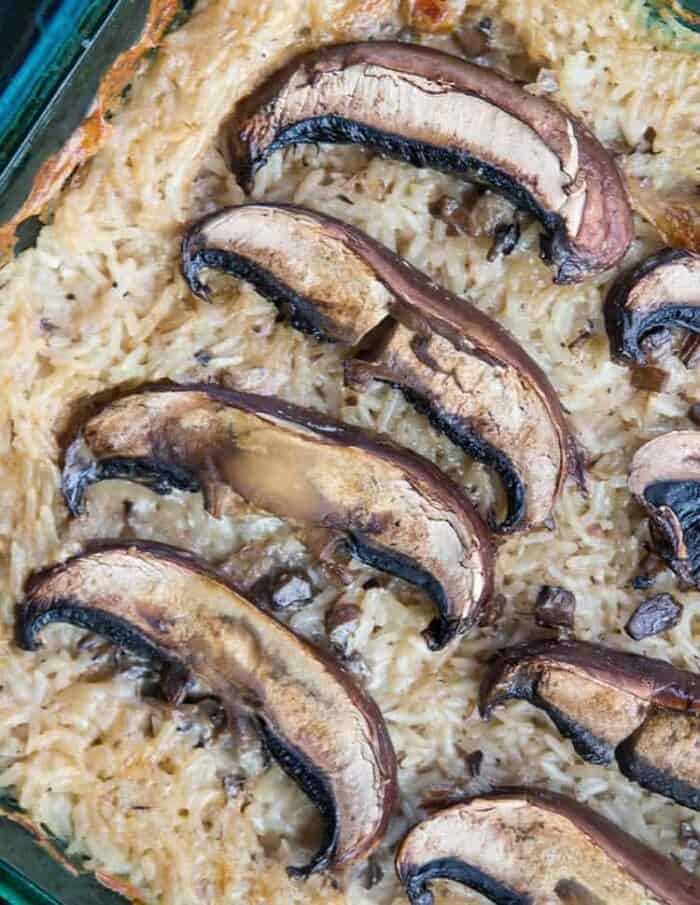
[(34, 870), (54, 53)]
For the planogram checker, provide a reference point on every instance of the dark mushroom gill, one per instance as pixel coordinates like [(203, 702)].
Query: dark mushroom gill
[(320, 727), (398, 512), (435, 110), (532, 847), (475, 383), (662, 291), (665, 479), (638, 712)]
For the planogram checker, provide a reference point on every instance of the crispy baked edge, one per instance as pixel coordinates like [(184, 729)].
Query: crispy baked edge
[(94, 130)]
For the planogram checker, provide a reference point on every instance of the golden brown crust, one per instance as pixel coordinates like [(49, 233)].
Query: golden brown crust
[(434, 16), (339, 20), (94, 131), (109, 881)]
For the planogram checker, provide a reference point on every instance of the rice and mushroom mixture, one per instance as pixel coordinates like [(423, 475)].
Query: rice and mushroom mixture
[(187, 813)]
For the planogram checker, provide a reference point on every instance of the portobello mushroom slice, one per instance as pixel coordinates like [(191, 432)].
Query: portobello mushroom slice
[(665, 479), (661, 292), (434, 110), (398, 511), (638, 712), (473, 380), (320, 727), (525, 846)]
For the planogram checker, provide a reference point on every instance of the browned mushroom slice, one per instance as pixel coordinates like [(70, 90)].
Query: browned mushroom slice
[(165, 603), (397, 510), (641, 712), (665, 479), (663, 291), (434, 110), (531, 847), (474, 381)]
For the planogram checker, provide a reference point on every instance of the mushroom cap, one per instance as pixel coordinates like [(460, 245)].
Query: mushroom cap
[(331, 279), (671, 457), (167, 604), (398, 511), (661, 291), (637, 711), (529, 845), (436, 110), (665, 479), (646, 678)]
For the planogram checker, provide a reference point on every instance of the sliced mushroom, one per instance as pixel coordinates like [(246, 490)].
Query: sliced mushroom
[(398, 512), (614, 706), (474, 381), (661, 292), (532, 847), (320, 727), (665, 479), (435, 110)]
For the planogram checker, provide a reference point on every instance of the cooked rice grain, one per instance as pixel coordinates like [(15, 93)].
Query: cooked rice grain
[(99, 301)]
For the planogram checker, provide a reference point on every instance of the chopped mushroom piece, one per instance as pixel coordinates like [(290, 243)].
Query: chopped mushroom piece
[(661, 292), (655, 615), (471, 39), (641, 712), (453, 213), (665, 479), (489, 215), (435, 110), (320, 727), (650, 378), (531, 847), (397, 511), (555, 608), (473, 761), (506, 237), (472, 379)]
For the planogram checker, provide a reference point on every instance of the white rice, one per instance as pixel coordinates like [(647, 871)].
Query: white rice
[(99, 301)]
